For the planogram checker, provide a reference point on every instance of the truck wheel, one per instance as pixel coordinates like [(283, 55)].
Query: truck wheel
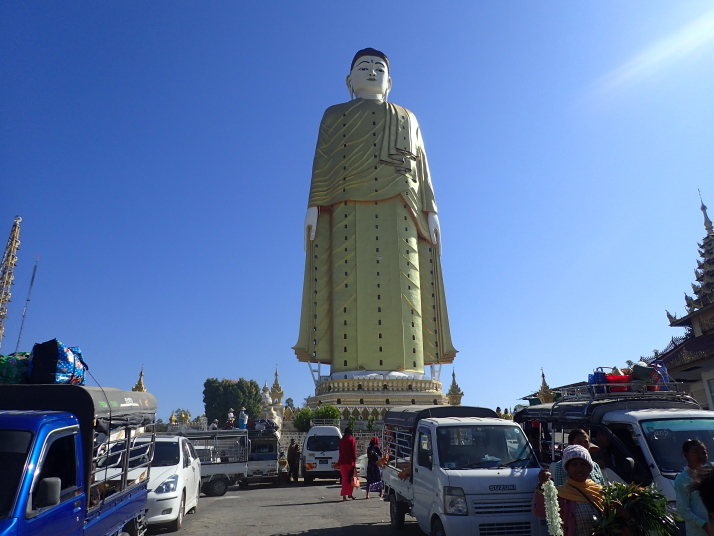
[(437, 528), (175, 525), (218, 487), (308, 479), (396, 513)]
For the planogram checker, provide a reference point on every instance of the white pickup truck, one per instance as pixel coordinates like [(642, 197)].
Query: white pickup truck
[(459, 470), (224, 458)]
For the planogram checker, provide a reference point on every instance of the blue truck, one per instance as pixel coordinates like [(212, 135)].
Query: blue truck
[(70, 461)]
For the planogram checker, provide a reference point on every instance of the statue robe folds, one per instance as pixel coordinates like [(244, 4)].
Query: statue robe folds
[(373, 295)]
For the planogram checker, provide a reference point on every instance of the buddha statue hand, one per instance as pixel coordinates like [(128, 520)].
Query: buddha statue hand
[(435, 230), (310, 225)]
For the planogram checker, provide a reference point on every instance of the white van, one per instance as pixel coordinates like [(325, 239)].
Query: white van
[(320, 453)]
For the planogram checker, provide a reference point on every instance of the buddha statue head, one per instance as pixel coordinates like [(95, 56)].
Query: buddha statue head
[(369, 75)]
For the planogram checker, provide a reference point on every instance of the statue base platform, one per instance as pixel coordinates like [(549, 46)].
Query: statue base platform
[(365, 398)]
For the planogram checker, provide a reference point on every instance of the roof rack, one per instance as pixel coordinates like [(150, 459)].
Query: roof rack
[(591, 402), (620, 391), (325, 422)]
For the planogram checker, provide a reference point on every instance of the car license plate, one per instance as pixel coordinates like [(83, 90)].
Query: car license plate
[(323, 462)]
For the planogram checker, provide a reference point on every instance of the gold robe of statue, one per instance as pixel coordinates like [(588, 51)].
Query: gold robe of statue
[(373, 295)]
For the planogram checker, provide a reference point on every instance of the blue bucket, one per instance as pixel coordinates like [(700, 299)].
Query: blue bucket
[(598, 379)]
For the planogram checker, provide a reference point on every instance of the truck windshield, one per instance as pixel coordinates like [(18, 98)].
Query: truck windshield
[(323, 443), (14, 445), (472, 447), (665, 438)]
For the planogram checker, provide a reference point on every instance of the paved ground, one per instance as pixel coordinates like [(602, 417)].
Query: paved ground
[(295, 509)]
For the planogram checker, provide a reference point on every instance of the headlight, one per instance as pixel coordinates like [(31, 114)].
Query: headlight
[(168, 485), (455, 501)]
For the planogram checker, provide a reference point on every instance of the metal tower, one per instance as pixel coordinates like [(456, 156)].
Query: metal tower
[(7, 272), (27, 303)]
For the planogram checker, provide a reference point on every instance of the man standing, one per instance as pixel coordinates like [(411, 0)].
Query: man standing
[(293, 460), (242, 419)]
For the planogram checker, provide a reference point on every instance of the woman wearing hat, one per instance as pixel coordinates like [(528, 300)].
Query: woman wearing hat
[(580, 498), (580, 437)]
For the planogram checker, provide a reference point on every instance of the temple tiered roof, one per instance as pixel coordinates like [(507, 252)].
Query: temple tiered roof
[(698, 343), (703, 289)]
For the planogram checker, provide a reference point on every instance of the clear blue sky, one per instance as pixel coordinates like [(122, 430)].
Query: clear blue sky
[(160, 155)]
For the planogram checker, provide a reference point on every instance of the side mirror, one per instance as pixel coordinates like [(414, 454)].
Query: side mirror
[(628, 466), (48, 492)]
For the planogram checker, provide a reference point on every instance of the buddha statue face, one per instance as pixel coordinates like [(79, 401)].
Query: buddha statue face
[(369, 76)]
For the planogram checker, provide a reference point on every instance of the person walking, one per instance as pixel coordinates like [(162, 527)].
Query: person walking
[(347, 462), (214, 425), (293, 460), (689, 503), (374, 472)]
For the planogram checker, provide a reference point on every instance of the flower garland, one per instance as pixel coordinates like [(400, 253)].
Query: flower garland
[(552, 509)]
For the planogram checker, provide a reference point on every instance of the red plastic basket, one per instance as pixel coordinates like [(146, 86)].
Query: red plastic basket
[(611, 378)]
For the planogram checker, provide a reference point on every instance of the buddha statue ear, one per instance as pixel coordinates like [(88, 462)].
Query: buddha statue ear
[(389, 88), (349, 87)]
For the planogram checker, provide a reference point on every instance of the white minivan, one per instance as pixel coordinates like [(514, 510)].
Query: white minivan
[(175, 482), (320, 453)]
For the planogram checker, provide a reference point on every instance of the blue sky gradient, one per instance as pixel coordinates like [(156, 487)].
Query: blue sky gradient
[(160, 155)]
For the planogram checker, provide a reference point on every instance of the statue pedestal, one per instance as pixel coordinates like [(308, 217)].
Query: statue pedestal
[(365, 398)]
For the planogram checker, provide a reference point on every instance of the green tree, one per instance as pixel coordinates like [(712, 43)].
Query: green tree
[(221, 395), (327, 412), (161, 426), (290, 404), (302, 418), (370, 423), (351, 422)]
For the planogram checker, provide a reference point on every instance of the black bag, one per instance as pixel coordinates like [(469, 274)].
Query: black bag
[(52, 362)]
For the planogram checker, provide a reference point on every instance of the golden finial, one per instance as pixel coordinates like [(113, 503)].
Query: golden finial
[(139, 386)]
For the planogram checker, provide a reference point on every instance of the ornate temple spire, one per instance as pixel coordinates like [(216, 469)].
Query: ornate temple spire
[(276, 392), (707, 221), (139, 386), (703, 289), (545, 394), (455, 393)]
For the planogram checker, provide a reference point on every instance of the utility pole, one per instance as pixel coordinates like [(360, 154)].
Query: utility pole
[(27, 303), (7, 272)]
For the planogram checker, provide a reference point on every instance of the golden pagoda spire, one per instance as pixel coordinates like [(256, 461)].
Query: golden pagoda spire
[(276, 392), (455, 393), (545, 394), (139, 386)]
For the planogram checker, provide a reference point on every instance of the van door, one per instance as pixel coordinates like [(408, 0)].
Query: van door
[(196, 464), (58, 459), (423, 477), (190, 476)]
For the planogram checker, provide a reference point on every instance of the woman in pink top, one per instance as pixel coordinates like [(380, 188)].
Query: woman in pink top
[(347, 462)]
